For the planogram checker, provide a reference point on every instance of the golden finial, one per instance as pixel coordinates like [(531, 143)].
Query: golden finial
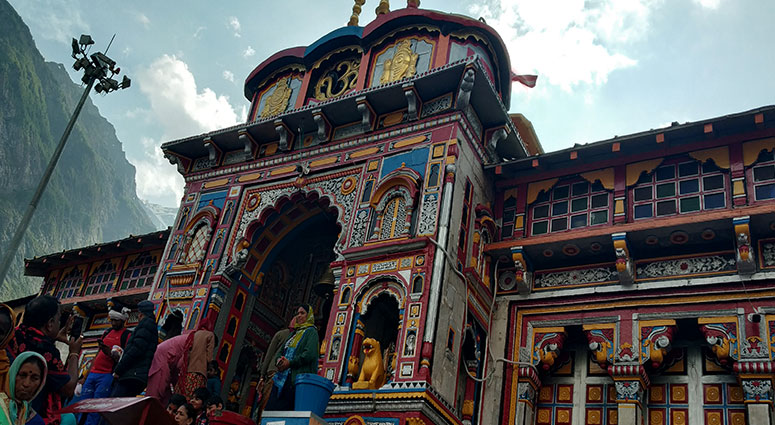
[(356, 11), (383, 8), (413, 3)]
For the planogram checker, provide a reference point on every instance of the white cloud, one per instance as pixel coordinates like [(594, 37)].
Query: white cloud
[(228, 75), (184, 109), (235, 26), (157, 181), (709, 4), (250, 51), (141, 18), (569, 43), (198, 32)]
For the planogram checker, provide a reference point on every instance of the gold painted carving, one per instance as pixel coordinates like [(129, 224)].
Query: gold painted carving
[(347, 73), (356, 12), (752, 149), (277, 102), (606, 177), (720, 156), (634, 170), (383, 7), (401, 65), (534, 189)]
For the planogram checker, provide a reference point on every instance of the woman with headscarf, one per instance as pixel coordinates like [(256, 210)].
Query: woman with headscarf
[(197, 352), (298, 355), (25, 380), (165, 368)]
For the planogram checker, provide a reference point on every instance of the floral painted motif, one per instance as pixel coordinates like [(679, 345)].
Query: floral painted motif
[(687, 266)]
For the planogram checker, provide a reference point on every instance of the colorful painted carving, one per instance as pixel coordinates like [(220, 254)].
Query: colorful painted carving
[(372, 374), (721, 334), (401, 65), (338, 80), (522, 276), (547, 347), (744, 254), (277, 102), (601, 343), (623, 260), (656, 340)]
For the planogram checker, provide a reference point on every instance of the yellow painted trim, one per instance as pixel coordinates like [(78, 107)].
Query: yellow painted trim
[(719, 155), (324, 161), (271, 149), (364, 152), (659, 322), (519, 222), (722, 319), (619, 206), (606, 177), (248, 177), (215, 183), (283, 170), (597, 326), (738, 188), (534, 189), (634, 170), (751, 149), (410, 141)]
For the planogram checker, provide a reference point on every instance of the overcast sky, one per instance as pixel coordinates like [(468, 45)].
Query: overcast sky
[(605, 67)]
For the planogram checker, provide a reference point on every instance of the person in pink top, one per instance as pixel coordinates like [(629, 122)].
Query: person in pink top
[(165, 368)]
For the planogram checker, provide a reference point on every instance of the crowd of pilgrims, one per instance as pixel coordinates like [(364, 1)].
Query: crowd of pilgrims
[(176, 367)]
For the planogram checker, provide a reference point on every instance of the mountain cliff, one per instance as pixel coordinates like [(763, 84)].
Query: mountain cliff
[(91, 197)]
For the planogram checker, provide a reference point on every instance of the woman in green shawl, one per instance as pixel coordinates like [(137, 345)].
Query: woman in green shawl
[(25, 380), (299, 355)]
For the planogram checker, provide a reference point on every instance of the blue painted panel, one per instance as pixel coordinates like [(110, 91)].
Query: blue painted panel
[(218, 199), (415, 159)]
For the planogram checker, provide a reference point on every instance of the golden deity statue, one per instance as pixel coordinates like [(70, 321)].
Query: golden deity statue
[(401, 65), (277, 102)]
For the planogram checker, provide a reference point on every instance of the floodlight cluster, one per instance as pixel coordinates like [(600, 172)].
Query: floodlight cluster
[(97, 67)]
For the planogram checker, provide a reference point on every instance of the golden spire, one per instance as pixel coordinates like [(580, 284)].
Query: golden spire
[(383, 8), (356, 11), (413, 3)]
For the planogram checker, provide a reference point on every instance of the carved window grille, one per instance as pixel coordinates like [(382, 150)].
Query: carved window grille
[(393, 214), (680, 188), (198, 247), (139, 272), (570, 206), (102, 279), (392, 222), (70, 284), (763, 176)]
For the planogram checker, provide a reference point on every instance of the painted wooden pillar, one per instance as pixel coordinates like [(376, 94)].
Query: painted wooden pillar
[(630, 382), (520, 219), (353, 364), (620, 191), (756, 380), (528, 385), (737, 173)]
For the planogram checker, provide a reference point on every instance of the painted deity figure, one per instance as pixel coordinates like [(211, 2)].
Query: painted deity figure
[(401, 65)]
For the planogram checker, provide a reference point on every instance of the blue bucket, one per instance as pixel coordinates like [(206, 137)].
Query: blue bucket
[(312, 393)]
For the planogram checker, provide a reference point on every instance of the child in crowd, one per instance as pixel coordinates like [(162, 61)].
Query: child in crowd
[(185, 414), (176, 401), (213, 377), (201, 395), (214, 406)]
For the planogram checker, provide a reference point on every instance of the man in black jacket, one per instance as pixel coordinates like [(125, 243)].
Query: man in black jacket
[(131, 372)]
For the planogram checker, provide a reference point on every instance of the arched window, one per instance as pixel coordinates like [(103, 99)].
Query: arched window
[(194, 317), (70, 284), (198, 247), (173, 250), (240, 301), (393, 218), (367, 187), (346, 294), (183, 219), (231, 328), (217, 244), (102, 279), (139, 272), (226, 213), (417, 284)]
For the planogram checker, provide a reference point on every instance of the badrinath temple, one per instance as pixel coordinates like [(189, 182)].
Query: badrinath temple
[(381, 178)]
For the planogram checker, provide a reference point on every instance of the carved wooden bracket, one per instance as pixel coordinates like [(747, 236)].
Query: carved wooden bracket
[(412, 101), (722, 336), (745, 256), (214, 153), (522, 275), (286, 135), (249, 144), (547, 345), (624, 263), (323, 133), (464, 93), (367, 113), (656, 338), (497, 136), (602, 343)]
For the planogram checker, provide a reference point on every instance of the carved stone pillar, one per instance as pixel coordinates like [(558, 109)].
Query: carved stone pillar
[(631, 383), (353, 363), (756, 380)]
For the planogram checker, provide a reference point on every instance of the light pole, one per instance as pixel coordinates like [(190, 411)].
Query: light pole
[(99, 69)]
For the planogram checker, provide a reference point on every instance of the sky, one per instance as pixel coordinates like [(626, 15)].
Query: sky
[(605, 67)]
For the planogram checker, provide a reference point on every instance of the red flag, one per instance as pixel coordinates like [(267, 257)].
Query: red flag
[(526, 80)]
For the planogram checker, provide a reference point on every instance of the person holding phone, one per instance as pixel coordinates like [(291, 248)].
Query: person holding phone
[(99, 381), (39, 329)]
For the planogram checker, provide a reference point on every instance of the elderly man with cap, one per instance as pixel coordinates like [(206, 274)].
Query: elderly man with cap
[(113, 342), (131, 372)]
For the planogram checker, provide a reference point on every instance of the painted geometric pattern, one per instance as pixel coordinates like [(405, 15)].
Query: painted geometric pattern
[(668, 404), (601, 405), (555, 404), (198, 246), (723, 404)]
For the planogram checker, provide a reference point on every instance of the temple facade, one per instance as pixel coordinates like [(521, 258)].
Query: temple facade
[(458, 273)]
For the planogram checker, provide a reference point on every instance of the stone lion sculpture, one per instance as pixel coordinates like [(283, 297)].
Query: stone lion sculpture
[(373, 370)]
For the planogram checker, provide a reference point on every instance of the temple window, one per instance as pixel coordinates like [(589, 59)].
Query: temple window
[(417, 284), (173, 251), (679, 188), (139, 272), (183, 219), (70, 284), (393, 218), (217, 244), (570, 206), (102, 279), (367, 187), (763, 173), (198, 247), (226, 213)]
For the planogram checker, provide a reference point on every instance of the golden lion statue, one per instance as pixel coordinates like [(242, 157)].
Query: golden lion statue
[(373, 371)]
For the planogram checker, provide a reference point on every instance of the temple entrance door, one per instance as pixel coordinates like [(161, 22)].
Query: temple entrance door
[(289, 254)]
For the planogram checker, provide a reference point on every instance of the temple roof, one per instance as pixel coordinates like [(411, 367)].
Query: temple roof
[(41, 266)]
